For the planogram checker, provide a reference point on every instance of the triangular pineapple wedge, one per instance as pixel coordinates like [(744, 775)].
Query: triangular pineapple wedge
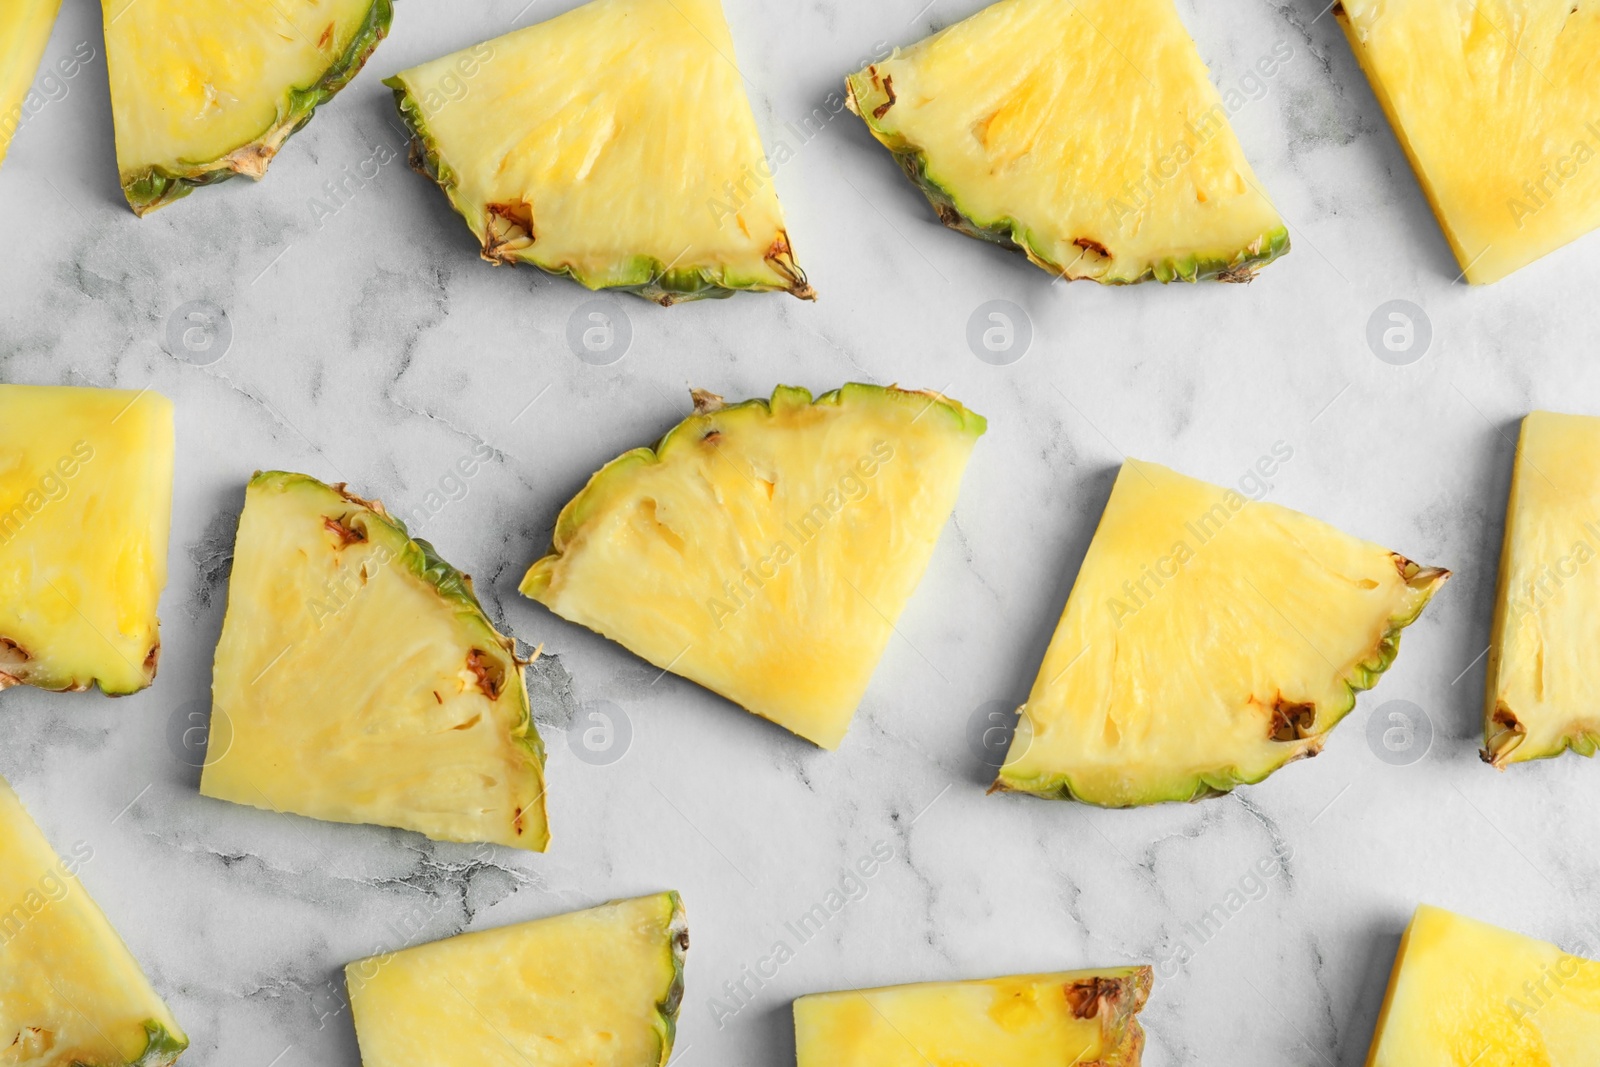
[(614, 144), (25, 27), (358, 679), (70, 991), (203, 90), (595, 988), (765, 550), (1087, 1018), (1542, 693), (1209, 639), (1470, 994), (1085, 134), (1497, 104), (85, 510)]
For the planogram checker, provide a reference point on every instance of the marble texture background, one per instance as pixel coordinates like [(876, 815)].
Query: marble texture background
[(372, 346)]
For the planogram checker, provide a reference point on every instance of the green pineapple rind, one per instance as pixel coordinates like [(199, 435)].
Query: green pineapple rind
[(1009, 233), (1583, 742), (1362, 676), (667, 1008), (156, 186), (1126, 1035), (161, 1048), (54, 684), (691, 429), (640, 275), (1503, 743), (1122, 1036), (423, 561)]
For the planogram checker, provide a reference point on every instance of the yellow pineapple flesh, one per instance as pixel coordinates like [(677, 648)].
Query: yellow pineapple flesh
[(204, 90), (1208, 640), (85, 511), (358, 679), (1084, 134), (1087, 1018), (1497, 104), (25, 27), (765, 549), (614, 144), (595, 988), (1542, 695), (1467, 994), (71, 994)]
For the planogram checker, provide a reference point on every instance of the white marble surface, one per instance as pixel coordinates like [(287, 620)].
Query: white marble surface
[(377, 348)]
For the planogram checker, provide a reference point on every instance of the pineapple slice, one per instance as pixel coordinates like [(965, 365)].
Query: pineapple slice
[(202, 90), (1497, 104), (764, 550), (361, 682), (70, 991), (1542, 693), (614, 144), (1075, 1017), (25, 27), (1208, 640), (1467, 993), (595, 988), (85, 509), (1086, 135)]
